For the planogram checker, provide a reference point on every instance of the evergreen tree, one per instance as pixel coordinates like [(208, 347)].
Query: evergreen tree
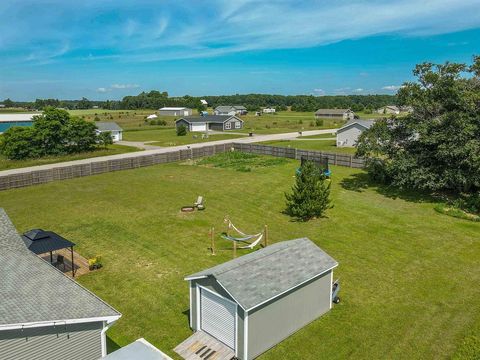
[(310, 195), (181, 130)]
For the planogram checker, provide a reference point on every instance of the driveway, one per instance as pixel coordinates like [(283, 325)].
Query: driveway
[(139, 144)]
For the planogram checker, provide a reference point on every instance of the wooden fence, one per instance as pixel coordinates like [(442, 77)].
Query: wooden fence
[(96, 166)]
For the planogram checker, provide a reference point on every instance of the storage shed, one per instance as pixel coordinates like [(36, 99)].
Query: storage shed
[(252, 303), (10, 120), (347, 135), (175, 111), (112, 127), (211, 122)]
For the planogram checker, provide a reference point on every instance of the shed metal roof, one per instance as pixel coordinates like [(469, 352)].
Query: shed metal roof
[(267, 273), (17, 117), (174, 108), (33, 291), (108, 126)]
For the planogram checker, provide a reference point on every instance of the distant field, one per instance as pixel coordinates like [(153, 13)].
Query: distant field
[(6, 164), (320, 145)]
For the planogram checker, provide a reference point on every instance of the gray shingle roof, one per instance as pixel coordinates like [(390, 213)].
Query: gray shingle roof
[(108, 126), (225, 108), (264, 274), (209, 118), (139, 349), (32, 290), (367, 124)]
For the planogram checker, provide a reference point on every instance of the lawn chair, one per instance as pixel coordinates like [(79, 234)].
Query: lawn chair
[(199, 203), (60, 261)]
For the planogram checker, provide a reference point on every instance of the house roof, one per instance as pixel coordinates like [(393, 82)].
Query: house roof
[(225, 108), (17, 117), (33, 291), (367, 124), (39, 241), (174, 108), (220, 119), (108, 126), (267, 273), (332, 111), (139, 349)]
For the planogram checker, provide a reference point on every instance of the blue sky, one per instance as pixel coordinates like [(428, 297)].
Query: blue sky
[(106, 49)]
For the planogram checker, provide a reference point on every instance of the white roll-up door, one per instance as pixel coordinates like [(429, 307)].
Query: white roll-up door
[(199, 127), (218, 317)]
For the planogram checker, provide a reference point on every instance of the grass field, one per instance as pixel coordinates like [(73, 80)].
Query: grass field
[(168, 137), (320, 145), (6, 164), (409, 275)]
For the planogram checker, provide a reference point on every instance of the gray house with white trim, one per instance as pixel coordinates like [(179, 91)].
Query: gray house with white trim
[(252, 303), (43, 313), (347, 135), (230, 110), (112, 127), (211, 122)]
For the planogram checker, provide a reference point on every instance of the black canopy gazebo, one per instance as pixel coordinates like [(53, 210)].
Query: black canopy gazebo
[(41, 242)]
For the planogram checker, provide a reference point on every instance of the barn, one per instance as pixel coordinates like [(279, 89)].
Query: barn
[(253, 302), (175, 111), (211, 122)]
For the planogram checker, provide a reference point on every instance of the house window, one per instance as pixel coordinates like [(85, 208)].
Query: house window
[(228, 126), (238, 125)]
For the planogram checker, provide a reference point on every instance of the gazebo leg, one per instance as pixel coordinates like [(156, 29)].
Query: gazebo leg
[(73, 265)]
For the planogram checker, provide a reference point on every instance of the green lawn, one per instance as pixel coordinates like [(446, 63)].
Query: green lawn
[(320, 145), (6, 164), (409, 275), (168, 137)]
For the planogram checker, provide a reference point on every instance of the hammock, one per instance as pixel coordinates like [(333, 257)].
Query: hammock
[(245, 237)]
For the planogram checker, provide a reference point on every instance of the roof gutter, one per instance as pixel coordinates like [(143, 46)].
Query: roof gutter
[(107, 319)]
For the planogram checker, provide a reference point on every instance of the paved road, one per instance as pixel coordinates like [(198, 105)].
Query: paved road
[(247, 140)]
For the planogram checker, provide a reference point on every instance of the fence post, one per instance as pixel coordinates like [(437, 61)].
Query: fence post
[(335, 159), (351, 158)]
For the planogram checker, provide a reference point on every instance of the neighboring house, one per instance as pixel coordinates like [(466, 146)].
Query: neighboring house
[(10, 120), (43, 313), (389, 109), (95, 107), (269, 110), (230, 110), (175, 111), (204, 102), (2, 106), (140, 349), (252, 303), (348, 134), (345, 114), (211, 122), (115, 130)]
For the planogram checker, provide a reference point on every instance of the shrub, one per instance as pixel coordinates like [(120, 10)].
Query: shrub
[(153, 122), (310, 195), (96, 118), (312, 123), (95, 263), (162, 122), (181, 130), (319, 122)]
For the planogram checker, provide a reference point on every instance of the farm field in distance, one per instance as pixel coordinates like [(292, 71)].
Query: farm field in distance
[(407, 273)]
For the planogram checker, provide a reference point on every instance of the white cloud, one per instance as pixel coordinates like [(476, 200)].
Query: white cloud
[(391, 87), (319, 91), (125, 86), (358, 90), (102, 90)]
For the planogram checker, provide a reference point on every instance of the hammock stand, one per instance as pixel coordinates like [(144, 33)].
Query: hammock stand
[(251, 240)]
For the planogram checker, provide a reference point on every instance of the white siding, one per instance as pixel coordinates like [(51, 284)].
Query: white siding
[(349, 136)]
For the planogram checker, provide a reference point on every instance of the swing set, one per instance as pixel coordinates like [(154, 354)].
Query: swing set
[(249, 241)]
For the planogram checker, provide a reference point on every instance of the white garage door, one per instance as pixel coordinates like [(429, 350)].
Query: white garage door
[(199, 127), (218, 317)]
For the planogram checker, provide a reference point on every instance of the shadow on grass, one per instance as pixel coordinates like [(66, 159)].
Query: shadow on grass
[(187, 314), (361, 181), (111, 345)]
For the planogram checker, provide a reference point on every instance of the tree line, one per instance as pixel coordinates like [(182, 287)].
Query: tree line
[(253, 102)]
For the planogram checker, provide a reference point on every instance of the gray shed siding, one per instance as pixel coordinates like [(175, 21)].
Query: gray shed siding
[(75, 341), (182, 122), (349, 136), (281, 317)]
